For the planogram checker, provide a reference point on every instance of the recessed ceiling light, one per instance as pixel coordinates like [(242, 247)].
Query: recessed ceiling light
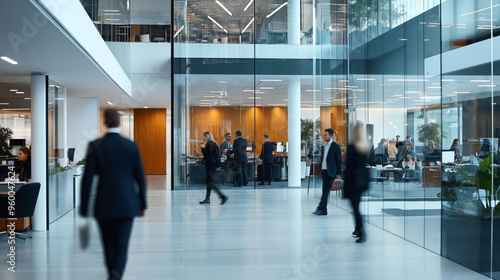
[(13, 90), (109, 103), (4, 103), (271, 80), (9, 60), (145, 107), (19, 92), (27, 98)]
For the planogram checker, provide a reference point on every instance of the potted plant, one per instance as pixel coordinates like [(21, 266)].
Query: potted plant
[(5, 136)]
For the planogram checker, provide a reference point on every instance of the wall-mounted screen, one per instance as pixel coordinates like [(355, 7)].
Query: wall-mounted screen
[(448, 156)]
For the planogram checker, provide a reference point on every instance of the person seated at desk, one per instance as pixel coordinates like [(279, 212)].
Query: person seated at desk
[(23, 167), (392, 150), (382, 152)]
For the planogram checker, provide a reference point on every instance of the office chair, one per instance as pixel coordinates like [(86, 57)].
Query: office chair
[(25, 199)]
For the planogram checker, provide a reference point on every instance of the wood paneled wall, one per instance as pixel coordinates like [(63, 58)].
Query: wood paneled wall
[(269, 120), (150, 133)]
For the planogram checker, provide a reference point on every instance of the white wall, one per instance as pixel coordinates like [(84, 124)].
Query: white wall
[(83, 124)]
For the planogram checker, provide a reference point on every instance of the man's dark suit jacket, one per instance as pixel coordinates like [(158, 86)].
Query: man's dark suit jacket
[(267, 152), (121, 191), (333, 160), (240, 149)]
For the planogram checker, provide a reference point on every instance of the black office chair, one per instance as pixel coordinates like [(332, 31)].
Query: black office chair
[(25, 202)]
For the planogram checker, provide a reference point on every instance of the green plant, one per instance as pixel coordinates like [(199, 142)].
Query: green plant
[(363, 13), (81, 162), (57, 169), (487, 178), (309, 128), (429, 131), (5, 136)]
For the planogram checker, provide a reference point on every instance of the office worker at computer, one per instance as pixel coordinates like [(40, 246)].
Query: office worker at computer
[(240, 156), (121, 191), (23, 168), (266, 155), (331, 168)]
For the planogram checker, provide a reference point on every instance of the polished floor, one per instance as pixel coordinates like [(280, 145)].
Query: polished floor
[(257, 234)]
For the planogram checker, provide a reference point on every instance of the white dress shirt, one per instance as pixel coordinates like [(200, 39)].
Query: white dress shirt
[(325, 153)]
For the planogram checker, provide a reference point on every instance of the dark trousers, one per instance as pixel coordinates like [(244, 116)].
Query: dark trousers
[(115, 236), (355, 200), (241, 174), (267, 169), (211, 167), (327, 186)]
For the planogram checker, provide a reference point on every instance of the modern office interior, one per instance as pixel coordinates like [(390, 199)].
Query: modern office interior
[(421, 69)]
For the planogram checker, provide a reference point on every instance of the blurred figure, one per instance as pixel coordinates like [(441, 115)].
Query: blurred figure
[(331, 168), (211, 158), (392, 150), (356, 176), (398, 143), (226, 146), (315, 150), (382, 151), (121, 191), (455, 146), (23, 168), (266, 155)]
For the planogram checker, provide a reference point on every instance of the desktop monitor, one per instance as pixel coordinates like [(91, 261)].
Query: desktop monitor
[(447, 156), (71, 154), (17, 142), (250, 146), (279, 147)]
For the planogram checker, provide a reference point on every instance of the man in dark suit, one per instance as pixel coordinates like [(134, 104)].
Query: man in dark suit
[(121, 191), (331, 168), (266, 155), (240, 156)]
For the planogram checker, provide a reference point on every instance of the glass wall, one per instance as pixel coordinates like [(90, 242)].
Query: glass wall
[(278, 69), (421, 72)]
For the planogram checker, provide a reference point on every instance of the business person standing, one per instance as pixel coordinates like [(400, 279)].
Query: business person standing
[(356, 176), (121, 191), (240, 155), (266, 155), (211, 158), (331, 168)]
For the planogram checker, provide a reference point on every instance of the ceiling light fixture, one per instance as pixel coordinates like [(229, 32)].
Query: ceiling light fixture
[(4, 103), (248, 5), (223, 7), (271, 80), (178, 31), (19, 92), (275, 11), (213, 20), (13, 90), (109, 103), (9, 60), (248, 25)]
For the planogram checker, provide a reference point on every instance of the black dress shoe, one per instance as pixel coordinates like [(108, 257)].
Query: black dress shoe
[(269, 183), (224, 198), (261, 184), (355, 233), (361, 239), (206, 201), (319, 212)]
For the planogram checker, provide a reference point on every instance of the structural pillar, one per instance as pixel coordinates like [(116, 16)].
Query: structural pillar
[(294, 164), (294, 22), (39, 148)]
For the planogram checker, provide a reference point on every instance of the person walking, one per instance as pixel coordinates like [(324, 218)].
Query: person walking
[(266, 155), (331, 168), (356, 176), (240, 156), (121, 191), (211, 157)]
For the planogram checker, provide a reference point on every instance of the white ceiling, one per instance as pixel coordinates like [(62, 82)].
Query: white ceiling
[(45, 48)]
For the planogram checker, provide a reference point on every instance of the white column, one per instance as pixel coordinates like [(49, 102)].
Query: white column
[(39, 148), (293, 22), (62, 127), (294, 132)]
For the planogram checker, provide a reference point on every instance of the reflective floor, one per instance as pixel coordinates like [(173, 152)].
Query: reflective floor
[(257, 234)]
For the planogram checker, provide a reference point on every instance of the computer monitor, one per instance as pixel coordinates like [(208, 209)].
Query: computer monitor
[(250, 146), (448, 156), (17, 142), (279, 147), (71, 154)]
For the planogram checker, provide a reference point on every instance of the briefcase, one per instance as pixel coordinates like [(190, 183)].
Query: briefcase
[(337, 185)]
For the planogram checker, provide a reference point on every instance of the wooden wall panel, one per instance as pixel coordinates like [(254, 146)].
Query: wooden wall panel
[(150, 133), (219, 121)]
